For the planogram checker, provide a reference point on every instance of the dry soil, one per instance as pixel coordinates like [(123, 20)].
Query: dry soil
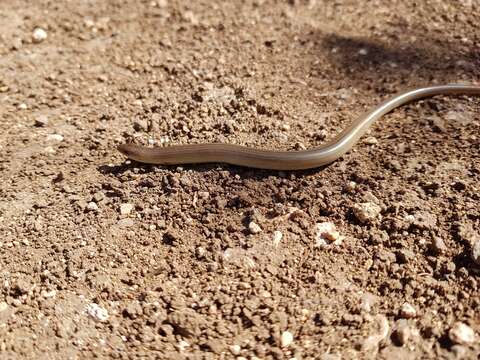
[(101, 257)]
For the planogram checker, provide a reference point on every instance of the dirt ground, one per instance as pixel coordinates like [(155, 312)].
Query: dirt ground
[(104, 258)]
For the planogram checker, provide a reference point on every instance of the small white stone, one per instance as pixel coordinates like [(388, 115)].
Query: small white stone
[(366, 212), (407, 311), (49, 294), (371, 140), (3, 306), (235, 349), (351, 186), (126, 209), (363, 52), (91, 206), (461, 333), (475, 252), (182, 345), (277, 238), (55, 137), (326, 232), (285, 127), (97, 312), (254, 228), (49, 150), (39, 35), (22, 106), (286, 339)]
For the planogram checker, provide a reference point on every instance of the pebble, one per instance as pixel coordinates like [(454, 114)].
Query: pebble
[(407, 311), (459, 351), (23, 286), (49, 294), (126, 209), (235, 349), (133, 310), (286, 338), (3, 306), (41, 121), (438, 245), (371, 140), (326, 232), (351, 186), (91, 206), (461, 334), (366, 212), (22, 106), (254, 228), (363, 52), (49, 150), (55, 137), (475, 252), (277, 238), (98, 196), (125, 222), (372, 342), (140, 125), (182, 345), (404, 256), (39, 35), (215, 346), (97, 312), (203, 195)]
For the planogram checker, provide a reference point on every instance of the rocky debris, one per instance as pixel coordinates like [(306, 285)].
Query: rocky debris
[(126, 209), (254, 228), (277, 238), (235, 349), (55, 138), (41, 121), (475, 252), (3, 306), (127, 222), (462, 334), (371, 140), (367, 212), (407, 311), (326, 233), (438, 245), (39, 35), (97, 312), (92, 206), (286, 339), (133, 310), (372, 342)]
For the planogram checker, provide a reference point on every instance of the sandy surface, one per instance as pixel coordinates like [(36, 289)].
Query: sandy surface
[(107, 258)]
